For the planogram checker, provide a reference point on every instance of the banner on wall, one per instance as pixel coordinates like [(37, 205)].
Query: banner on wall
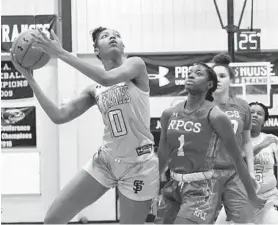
[(18, 127), (272, 122), (155, 124), (13, 83), (12, 26), (256, 74)]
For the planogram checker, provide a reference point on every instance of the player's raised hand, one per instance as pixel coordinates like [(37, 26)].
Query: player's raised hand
[(50, 46)]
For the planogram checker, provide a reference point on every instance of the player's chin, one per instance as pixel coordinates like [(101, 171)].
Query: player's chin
[(218, 90), (189, 87), (255, 125), (114, 50)]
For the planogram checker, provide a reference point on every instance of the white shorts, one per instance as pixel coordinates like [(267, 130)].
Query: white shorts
[(137, 181)]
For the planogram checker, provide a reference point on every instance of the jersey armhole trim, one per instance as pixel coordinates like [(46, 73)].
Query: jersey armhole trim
[(275, 160), (143, 92), (209, 119)]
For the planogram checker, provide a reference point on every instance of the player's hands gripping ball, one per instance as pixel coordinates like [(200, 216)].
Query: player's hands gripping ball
[(45, 44)]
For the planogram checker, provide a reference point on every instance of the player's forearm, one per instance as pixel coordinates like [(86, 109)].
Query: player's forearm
[(241, 167), (235, 152), (276, 172), (162, 159), (248, 149), (258, 148), (245, 177), (93, 72), (51, 110), (162, 163)]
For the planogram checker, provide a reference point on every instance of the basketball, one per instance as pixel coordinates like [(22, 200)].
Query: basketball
[(25, 55)]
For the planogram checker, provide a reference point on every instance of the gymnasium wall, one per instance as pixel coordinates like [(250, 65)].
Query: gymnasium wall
[(30, 7), (32, 207), (171, 25)]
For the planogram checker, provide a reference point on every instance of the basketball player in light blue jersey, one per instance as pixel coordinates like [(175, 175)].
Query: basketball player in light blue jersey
[(126, 158)]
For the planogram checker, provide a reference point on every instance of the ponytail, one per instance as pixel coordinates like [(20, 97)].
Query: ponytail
[(209, 96)]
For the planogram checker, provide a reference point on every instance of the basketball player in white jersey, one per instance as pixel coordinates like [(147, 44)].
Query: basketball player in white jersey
[(266, 156), (265, 148), (126, 158)]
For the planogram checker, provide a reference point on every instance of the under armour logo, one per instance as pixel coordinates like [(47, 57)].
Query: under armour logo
[(175, 114), (20, 48), (25, 40), (138, 186), (162, 80)]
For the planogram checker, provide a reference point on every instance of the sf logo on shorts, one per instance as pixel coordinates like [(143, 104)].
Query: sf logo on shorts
[(138, 186)]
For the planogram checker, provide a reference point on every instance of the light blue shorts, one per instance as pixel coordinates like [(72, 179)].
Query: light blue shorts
[(137, 181)]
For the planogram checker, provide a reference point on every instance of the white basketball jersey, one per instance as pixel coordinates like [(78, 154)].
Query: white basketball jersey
[(264, 163), (125, 111)]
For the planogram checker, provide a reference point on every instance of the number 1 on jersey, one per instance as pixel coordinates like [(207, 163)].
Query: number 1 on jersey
[(234, 125), (180, 149)]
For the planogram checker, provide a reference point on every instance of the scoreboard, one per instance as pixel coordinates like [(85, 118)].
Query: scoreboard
[(248, 40)]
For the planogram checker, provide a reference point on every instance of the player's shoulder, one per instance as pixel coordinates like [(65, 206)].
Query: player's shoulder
[(135, 59), (168, 112), (135, 62), (216, 113), (240, 102), (137, 67)]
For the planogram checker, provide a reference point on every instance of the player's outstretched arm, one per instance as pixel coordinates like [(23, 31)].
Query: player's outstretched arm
[(247, 142), (163, 148), (223, 127), (65, 113), (76, 107), (248, 150), (132, 68), (268, 140)]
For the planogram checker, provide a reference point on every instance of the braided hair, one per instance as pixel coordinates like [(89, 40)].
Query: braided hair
[(95, 34), (212, 77)]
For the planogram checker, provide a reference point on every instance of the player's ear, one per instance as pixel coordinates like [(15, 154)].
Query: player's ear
[(96, 51), (210, 84), (123, 48)]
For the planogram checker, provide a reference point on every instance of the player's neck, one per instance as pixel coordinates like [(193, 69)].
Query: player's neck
[(255, 133), (221, 98), (111, 64), (194, 102)]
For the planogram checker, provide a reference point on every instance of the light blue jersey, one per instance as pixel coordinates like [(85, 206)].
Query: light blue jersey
[(125, 111)]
